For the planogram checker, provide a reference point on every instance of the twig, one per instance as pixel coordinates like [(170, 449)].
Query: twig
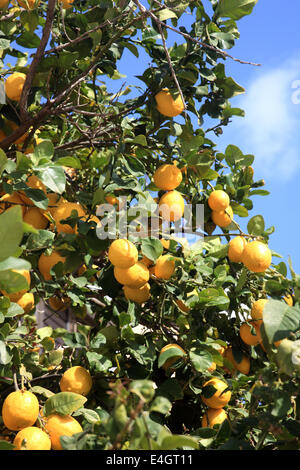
[(187, 36), (170, 64), (37, 58)]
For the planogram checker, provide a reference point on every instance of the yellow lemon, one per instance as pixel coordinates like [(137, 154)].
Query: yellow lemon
[(32, 438), (76, 379), (167, 177), (167, 105), (257, 257), (14, 86), (135, 276), (122, 253)]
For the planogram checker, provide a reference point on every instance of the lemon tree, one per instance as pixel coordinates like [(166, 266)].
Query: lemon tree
[(176, 342)]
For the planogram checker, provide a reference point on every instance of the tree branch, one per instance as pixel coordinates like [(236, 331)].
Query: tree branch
[(188, 36), (37, 58)]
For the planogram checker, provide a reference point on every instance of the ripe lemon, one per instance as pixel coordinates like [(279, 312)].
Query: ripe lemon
[(257, 257), (66, 3), (57, 426), (14, 86), (212, 368), (166, 104), (64, 211), (122, 253), (28, 4), (17, 295), (243, 366), (218, 200), (257, 310), (167, 177), (10, 200), (35, 218), (139, 295), (164, 267), (171, 206), (135, 276), (113, 200), (222, 218), (54, 201), (32, 438), (4, 3), (236, 248), (169, 362), (20, 410), (77, 379), (247, 336), (213, 416), (32, 182), (26, 302), (289, 300), (165, 243), (45, 263), (220, 398)]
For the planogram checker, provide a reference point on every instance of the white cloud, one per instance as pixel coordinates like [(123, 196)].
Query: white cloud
[(270, 129)]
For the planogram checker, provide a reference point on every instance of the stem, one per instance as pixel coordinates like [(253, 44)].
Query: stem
[(261, 439), (16, 382)]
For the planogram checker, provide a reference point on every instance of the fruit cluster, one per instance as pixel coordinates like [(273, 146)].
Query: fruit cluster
[(22, 412)]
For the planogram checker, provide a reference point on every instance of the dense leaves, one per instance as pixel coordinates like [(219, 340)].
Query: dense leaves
[(90, 136)]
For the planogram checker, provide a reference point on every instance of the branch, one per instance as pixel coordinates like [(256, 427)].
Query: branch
[(37, 58), (187, 36), (85, 35), (170, 64)]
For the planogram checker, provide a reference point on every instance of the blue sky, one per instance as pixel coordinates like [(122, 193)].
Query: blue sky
[(270, 128)]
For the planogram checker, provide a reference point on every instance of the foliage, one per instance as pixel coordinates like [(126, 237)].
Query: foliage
[(85, 142)]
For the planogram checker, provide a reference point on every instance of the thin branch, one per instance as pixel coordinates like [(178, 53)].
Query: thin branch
[(85, 35), (170, 64), (37, 58), (187, 36)]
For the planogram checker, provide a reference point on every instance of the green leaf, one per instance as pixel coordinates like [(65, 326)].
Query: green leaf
[(161, 405), (11, 231), (152, 248), (235, 9), (71, 162), (28, 40), (44, 332), (143, 388), (63, 403), (177, 441), (256, 225), (14, 263), (201, 359), (140, 140), (43, 150), (231, 88), (233, 155), (54, 178), (5, 358), (6, 445), (90, 415), (166, 14), (3, 158), (172, 352), (42, 391), (11, 282), (280, 319)]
